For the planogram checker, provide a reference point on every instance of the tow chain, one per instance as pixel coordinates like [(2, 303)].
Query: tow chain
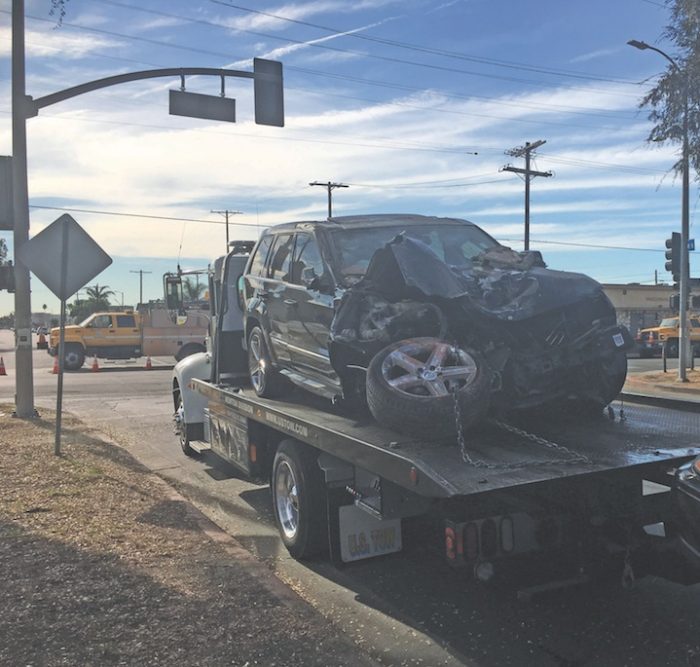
[(574, 457)]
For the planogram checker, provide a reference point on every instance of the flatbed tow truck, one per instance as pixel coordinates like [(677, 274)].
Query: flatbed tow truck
[(542, 503)]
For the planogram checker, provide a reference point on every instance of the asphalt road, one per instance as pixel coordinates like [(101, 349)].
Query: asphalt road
[(408, 608)]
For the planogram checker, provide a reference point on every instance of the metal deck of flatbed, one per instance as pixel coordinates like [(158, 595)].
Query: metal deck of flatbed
[(648, 435)]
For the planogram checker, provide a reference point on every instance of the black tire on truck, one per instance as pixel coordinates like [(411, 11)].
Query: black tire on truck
[(412, 386), (299, 500), (73, 357), (181, 427)]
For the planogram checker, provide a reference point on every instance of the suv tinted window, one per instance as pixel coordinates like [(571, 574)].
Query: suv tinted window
[(126, 321), (306, 256), (258, 262), (281, 257)]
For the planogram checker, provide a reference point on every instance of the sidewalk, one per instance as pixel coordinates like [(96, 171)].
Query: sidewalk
[(104, 564), (664, 385)]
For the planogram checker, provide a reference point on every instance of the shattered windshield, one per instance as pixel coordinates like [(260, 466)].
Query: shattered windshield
[(456, 245)]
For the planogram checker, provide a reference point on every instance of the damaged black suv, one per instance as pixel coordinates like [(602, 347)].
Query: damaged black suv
[(421, 316)]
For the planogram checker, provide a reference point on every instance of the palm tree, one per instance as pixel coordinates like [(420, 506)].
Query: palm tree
[(192, 291), (98, 293)]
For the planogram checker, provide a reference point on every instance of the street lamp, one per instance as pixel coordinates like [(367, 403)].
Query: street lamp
[(122, 293), (685, 217)]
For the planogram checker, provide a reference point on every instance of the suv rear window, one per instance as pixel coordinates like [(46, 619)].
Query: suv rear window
[(281, 257), (257, 264)]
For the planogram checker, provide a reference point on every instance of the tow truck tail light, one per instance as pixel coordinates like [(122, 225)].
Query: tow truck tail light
[(471, 541), (252, 453), (489, 539)]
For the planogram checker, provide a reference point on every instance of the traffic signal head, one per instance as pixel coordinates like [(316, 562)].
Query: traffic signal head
[(673, 256)]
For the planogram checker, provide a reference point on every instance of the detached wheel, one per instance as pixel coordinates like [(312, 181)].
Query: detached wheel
[(73, 357), (299, 500), (412, 386), (266, 380)]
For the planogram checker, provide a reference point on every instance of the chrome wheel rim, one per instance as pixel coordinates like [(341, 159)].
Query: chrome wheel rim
[(287, 500), (429, 367), (256, 362), (180, 422)]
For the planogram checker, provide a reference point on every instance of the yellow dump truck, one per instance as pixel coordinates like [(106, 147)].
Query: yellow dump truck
[(131, 334), (651, 339)]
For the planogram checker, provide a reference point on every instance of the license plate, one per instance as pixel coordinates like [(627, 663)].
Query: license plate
[(365, 536)]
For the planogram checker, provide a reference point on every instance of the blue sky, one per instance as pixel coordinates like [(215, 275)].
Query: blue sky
[(413, 103)]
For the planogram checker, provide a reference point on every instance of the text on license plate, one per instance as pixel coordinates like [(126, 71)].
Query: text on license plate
[(365, 536)]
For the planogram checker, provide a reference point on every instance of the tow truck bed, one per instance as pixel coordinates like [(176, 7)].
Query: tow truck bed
[(501, 458)]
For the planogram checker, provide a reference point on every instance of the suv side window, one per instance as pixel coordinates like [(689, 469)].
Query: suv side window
[(258, 262), (281, 257), (306, 256)]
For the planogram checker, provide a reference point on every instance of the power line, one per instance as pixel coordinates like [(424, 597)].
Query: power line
[(585, 245), (277, 37), (137, 215), (422, 49)]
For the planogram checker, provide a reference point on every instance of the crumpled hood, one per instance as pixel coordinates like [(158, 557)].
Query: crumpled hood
[(501, 282)]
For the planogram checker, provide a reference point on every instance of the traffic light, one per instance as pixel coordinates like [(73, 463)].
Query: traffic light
[(673, 256)]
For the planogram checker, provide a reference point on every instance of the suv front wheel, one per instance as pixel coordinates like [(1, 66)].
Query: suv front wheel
[(266, 380)]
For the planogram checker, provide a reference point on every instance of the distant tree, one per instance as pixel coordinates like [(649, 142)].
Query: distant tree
[(3, 251), (192, 290), (58, 8), (97, 300), (666, 100), (99, 293)]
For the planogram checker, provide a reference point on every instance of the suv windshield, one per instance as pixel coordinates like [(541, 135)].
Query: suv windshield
[(456, 245)]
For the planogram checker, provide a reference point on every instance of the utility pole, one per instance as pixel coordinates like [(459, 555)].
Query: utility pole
[(140, 272), (331, 187), (526, 152), (24, 400), (227, 213)]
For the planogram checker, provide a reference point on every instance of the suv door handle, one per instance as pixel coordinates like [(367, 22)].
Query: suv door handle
[(290, 302)]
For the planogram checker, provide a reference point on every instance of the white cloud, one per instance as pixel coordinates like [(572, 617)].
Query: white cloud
[(61, 44)]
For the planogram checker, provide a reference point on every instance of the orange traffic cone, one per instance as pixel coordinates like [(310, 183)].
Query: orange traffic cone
[(55, 365), (95, 365), (149, 365), (2, 367)]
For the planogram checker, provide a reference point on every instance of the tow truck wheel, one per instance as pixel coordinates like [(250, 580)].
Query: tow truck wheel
[(73, 357), (299, 500), (266, 380), (181, 427)]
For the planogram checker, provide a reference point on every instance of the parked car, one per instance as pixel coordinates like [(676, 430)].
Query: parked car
[(427, 319)]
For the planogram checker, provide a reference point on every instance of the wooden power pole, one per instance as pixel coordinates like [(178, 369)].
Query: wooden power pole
[(526, 152)]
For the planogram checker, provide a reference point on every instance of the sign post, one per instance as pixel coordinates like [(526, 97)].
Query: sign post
[(64, 272)]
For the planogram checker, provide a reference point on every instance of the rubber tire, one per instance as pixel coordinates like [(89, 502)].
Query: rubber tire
[(184, 436), (311, 537), (73, 357), (426, 416), (672, 348), (274, 384)]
